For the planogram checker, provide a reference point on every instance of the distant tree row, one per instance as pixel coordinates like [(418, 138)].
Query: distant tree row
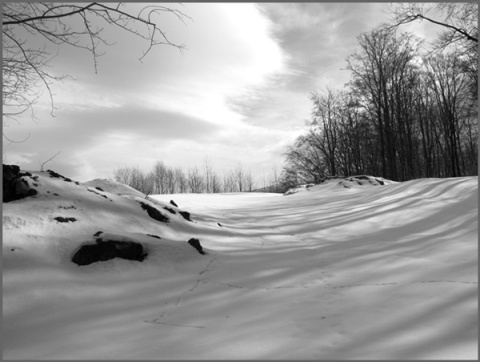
[(403, 115), (163, 179)]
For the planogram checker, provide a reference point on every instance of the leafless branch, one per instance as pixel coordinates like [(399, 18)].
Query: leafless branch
[(51, 158), (25, 62)]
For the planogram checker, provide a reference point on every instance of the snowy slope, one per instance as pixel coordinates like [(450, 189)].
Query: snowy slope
[(385, 272), (333, 183), (113, 187)]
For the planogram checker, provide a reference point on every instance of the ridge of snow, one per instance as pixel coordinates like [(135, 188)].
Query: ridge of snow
[(351, 182)]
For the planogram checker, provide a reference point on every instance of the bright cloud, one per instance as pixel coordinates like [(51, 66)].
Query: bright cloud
[(239, 92)]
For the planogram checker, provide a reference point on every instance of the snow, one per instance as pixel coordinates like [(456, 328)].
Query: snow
[(366, 272), (355, 182)]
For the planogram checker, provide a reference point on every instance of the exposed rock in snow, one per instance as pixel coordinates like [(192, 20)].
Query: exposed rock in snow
[(364, 180), (196, 244), (54, 174), (16, 185), (299, 188), (105, 250), (114, 187), (186, 215), (170, 210), (154, 213), (65, 219)]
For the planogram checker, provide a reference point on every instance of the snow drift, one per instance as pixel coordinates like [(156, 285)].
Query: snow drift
[(342, 182), (383, 272)]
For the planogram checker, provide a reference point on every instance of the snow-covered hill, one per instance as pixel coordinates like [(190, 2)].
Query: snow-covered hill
[(350, 182), (334, 273)]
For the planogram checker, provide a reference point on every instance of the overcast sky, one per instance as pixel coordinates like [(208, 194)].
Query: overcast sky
[(238, 93)]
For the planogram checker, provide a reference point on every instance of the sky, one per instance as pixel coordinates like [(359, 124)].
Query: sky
[(238, 93)]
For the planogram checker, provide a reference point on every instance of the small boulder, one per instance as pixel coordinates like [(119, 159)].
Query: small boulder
[(170, 210), (154, 213), (65, 219), (186, 215), (196, 244), (106, 250), (173, 203), (154, 236)]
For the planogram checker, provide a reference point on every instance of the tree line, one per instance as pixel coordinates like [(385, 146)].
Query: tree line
[(163, 179), (404, 114)]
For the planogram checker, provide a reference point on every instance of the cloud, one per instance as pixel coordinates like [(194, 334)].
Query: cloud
[(139, 122), (114, 134), (316, 39), (224, 58), (239, 93)]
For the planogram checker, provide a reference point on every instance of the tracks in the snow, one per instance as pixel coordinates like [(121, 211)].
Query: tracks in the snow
[(161, 318)]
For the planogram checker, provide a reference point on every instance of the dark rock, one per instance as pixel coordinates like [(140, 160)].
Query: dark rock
[(22, 189), (53, 174), (173, 203), (196, 244), (10, 174), (65, 219), (219, 224), (170, 210), (380, 181), (99, 189), (96, 193), (154, 236), (67, 207), (186, 215), (154, 213), (14, 186), (110, 249), (98, 233)]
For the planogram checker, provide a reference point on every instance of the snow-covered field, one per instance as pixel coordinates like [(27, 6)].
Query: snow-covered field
[(359, 272)]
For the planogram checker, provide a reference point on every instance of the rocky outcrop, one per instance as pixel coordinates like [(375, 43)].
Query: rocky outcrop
[(110, 249), (15, 187), (154, 213)]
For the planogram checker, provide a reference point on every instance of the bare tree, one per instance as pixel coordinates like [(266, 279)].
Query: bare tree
[(249, 182), (216, 184), (240, 177), (208, 174), (25, 62), (460, 20), (171, 181), (182, 185), (196, 181), (160, 177), (122, 175), (229, 182)]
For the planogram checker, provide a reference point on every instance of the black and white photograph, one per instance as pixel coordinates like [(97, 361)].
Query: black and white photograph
[(240, 180)]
